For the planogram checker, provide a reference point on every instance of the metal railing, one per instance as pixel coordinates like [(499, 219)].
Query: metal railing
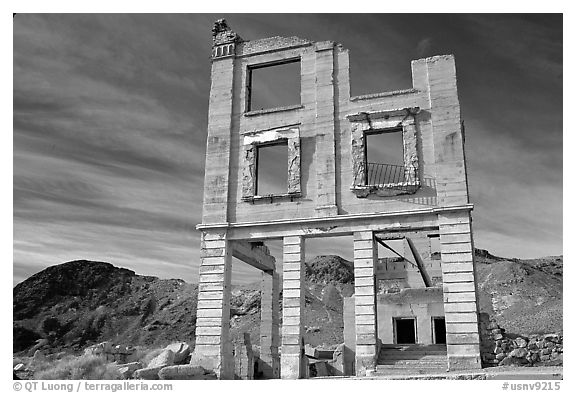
[(385, 176), (380, 174)]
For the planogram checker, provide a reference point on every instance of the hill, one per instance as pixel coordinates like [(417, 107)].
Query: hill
[(79, 303)]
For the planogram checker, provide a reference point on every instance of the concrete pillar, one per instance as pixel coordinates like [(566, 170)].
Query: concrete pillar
[(324, 126), (349, 335), (243, 358), (213, 343), (460, 292), (293, 297), (365, 256), (269, 325)]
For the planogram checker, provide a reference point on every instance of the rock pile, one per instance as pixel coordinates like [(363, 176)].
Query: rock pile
[(503, 350), (324, 362), (112, 352), (125, 359)]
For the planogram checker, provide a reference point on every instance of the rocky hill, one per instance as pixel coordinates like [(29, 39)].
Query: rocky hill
[(79, 303)]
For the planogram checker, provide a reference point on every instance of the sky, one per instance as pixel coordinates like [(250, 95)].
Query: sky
[(110, 116)]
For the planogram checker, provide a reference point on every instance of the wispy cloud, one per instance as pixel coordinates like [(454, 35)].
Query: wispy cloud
[(110, 117)]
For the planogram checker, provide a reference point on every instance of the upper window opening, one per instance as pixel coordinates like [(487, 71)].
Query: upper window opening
[(385, 157), (435, 247), (274, 85), (378, 72), (272, 168)]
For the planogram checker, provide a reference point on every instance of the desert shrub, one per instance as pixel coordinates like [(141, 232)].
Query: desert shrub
[(50, 324), (77, 367), (23, 338)]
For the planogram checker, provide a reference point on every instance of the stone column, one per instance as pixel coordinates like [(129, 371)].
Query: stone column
[(460, 293), (269, 325), (324, 127), (349, 335), (293, 297), (213, 345), (365, 255)]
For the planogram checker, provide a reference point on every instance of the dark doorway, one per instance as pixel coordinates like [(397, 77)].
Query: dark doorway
[(439, 326), (405, 330)]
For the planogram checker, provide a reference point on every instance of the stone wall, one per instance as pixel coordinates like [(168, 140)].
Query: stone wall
[(501, 349)]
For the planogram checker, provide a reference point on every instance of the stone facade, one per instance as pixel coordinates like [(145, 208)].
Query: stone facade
[(326, 195)]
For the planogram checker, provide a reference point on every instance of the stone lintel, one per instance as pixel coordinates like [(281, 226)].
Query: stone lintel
[(255, 255)]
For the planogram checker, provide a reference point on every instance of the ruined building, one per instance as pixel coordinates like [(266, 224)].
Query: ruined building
[(333, 187)]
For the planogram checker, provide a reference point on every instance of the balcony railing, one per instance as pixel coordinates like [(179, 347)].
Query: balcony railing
[(386, 176)]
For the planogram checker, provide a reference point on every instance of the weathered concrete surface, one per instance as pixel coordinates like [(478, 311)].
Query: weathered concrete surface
[(326, 136), (185, 372), (243, 358), (365, 255), (292, 359), (213, 314), (270, 325), (418, 303)]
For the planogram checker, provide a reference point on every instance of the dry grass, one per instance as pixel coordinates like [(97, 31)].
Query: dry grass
[(145, 355), (76, 367)]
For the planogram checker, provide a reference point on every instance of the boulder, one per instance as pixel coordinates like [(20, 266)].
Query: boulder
[(500, 356), (532, 345), (551, 337), (519, 353), (558, 361), (181, 351), (164, 359), (506, 362), (147, 373), (521, 342), (127, 369), (183, 372)]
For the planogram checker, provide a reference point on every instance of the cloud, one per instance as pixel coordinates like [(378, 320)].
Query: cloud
[(423, 47), (110, 118)]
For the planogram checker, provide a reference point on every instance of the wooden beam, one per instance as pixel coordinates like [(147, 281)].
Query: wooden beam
[(255, 254), (420, 263)]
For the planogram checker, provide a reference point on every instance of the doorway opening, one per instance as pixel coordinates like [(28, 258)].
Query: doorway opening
[(439, 330), (405, 330)]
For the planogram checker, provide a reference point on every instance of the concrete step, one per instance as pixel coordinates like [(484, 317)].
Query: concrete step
[(413, 347), (419, 359), (423, 360), (410, 365), (391, 371), (417, 355)]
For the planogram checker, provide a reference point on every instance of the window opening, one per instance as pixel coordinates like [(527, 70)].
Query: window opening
[(384, 158), (273, 85), (272, 168)]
